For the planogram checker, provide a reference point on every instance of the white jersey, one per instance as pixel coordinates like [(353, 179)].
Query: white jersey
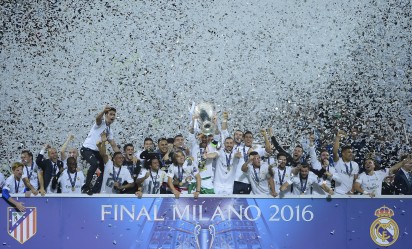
[(372, 183), (152, 184), (303, 186), (346, 172), (114, 174), (225, 172), (313, 159), (205, 166), (71, 184), (280, 177), (186, 174), (14, 186), (240, 175), (31, 173), (259, 178), (94, 135)]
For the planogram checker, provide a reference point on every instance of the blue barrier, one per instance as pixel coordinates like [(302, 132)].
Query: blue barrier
[(123, 221)]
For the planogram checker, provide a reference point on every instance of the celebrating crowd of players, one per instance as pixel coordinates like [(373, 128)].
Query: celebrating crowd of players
[(215, 163)]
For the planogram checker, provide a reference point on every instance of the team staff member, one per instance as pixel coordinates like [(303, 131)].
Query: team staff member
[(403, 178)]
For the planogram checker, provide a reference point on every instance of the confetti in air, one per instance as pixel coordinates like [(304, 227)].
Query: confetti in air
[(307, 66)]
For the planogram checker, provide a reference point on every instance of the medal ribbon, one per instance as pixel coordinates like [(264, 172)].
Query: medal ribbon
[(228, 159), (303, 187), (73, 183), (154, 180), (347, 168), (16, 186), (256, 175), (245, 156), (283, 176), (31, 170), (118, 173), (180, 174)]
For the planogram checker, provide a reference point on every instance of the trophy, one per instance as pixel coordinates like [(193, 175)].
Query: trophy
[(204, 237), (204, 112)]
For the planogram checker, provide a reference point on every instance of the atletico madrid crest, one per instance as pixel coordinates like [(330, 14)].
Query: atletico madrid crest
[(22, 225)]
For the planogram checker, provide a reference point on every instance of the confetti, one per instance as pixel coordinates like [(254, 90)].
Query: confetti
[(153, 68)]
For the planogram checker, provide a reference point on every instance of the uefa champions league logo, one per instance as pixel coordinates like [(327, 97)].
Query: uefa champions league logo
[(384, 230)]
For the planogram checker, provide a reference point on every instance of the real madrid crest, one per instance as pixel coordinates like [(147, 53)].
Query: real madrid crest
[(384, 230)]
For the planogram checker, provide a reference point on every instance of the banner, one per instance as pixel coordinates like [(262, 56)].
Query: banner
[(109, 221)]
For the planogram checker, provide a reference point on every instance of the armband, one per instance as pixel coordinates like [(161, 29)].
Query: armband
[(5, 194)]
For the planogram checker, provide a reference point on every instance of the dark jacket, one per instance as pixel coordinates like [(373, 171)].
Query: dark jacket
[(401, 183), (46, 166)]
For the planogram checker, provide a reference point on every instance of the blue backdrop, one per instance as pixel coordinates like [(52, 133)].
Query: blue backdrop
[(208, 222)]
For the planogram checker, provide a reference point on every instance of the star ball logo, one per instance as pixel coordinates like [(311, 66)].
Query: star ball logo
[(22, 225), (384, 230)]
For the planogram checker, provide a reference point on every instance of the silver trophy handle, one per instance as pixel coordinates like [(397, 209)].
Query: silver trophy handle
[(196, 232), (212, 231)]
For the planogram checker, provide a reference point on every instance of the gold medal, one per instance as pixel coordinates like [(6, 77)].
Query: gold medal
[(180, 184), (73, 189)]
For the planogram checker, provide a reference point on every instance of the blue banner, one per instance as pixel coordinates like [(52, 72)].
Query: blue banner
[(207, 222)]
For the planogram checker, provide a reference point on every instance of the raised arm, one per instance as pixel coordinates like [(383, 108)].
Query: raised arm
[(99, 116), (336, 145), (101, 145), (244, 166), (267, 142), (278, 147), (224, 121), (192, 125), (114, 145), (63, 155), (399, 165), (312, 151)]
